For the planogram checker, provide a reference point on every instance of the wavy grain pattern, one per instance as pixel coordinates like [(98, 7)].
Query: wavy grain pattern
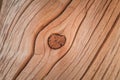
[(91, 29)]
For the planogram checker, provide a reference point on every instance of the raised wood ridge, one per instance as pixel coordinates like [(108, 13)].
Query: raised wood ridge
[(91, 49)]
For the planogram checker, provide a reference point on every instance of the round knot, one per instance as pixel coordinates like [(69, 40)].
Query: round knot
[(56, 41)]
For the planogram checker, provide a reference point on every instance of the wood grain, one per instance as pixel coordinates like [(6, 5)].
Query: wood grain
[(91, 50)]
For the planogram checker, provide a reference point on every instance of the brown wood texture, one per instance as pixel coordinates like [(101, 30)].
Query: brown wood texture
[(90, 48)]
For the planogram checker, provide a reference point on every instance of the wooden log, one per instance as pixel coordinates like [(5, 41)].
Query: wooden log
[(59, 39)]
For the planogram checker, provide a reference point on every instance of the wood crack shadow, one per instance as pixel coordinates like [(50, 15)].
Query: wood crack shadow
[(87, 9), (1, 4), (38, 34)]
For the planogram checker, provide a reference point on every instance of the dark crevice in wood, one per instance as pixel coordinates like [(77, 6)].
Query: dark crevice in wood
[(91, 37), (76, 35), (4, 78), (106, 37), (73, 39), (93, 31), (7, 10), (101, 44), (23, 31), (20, 39), (63, 55), (59, 24), (112, 61), (38, 34), (44, 26), (3, 42), (17, 74), (86, 43), (112, 49), (1, 4), (87, 9), (109, 33), (10, 39)]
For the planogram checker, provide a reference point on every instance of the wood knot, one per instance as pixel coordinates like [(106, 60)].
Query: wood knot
[(56, 41)]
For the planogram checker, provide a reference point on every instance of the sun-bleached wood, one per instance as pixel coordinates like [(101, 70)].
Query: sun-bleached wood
[(91, 50)]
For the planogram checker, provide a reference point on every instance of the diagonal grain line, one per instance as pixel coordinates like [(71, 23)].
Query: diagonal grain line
[(45, 27), (11, 47), (2, 60), (58, 60), (9, 50), (113, 48), (4, 37), (4, 78), (36, 65), (3, 30), (71, 44), (112, 61), (29, 21), (40, 31), (19, 44), (117, 74), (103, 44), (99, 9), (89, 40), (23, 32), (14, 25), (58, 24), (91, 36), (93, 60), (63, 55), (94, 30), (8, 10), (14, 2), (109, 63)]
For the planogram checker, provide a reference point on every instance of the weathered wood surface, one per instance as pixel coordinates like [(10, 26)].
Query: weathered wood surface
[(91, 50)]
